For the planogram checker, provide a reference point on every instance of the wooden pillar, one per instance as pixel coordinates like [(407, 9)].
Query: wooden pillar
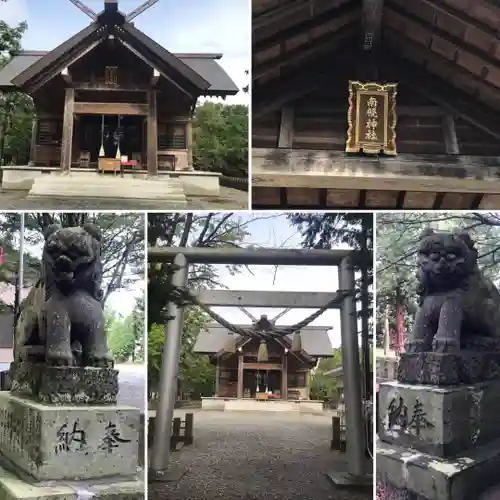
[(189, 144), (67, 133), (284, 377), (240, 376), (285, 139), (217, 377), (308, 384), (34, 132), (152, 135)]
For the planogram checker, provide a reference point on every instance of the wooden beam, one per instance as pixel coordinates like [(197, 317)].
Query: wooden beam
[(285, 138), (189, 142), (152, 132), (111, 88), (445, 95), (250, 298), (111, 108), (281, 168), (155, 77), (67, 132), (450, 135), (34, 133), (66, 62), (309, 50), (66, 75), (239, 389)]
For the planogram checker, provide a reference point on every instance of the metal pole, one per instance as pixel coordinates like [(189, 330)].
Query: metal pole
[(355, 438), (251, 256), (20, 271), (169, 373)]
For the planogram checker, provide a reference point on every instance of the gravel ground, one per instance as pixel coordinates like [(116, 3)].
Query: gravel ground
[(132, 381), (229, 199), (254, 456)]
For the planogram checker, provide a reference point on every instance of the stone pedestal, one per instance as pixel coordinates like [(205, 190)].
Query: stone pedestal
[(63, 451), (58, 385), (438, 442), (68, 442)]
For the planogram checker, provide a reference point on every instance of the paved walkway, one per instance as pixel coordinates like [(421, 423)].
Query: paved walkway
[(132, 380), (229, 199), (257, 456)]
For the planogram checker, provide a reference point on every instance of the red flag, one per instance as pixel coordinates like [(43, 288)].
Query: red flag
[(1, 256)]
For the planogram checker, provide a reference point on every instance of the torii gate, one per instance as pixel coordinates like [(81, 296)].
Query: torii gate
[(182, 257)]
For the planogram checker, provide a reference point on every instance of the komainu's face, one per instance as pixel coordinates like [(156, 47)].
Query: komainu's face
[(70, 250), (445, 259)]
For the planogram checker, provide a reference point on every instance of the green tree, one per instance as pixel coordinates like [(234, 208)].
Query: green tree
[(197, 375), (326, 230), (324, 386), (16, 109), (220, 138), (190, 230)]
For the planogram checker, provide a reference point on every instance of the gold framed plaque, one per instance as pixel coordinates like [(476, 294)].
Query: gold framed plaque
[(371, 118)]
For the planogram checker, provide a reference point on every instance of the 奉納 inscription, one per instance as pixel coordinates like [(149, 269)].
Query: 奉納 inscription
[(112, 438), (70, 438), (401, 419)]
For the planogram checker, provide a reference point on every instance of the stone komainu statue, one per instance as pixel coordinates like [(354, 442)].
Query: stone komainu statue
[(459, 306), (61, 321)]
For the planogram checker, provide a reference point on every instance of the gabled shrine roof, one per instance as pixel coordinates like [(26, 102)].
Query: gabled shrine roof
[(200, 71), (315, 340)]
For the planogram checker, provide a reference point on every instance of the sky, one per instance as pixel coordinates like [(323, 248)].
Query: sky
[(220, 26), (277, 233)]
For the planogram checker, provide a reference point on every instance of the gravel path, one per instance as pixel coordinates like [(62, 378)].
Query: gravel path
[(229, 199), (257, 456), (132, 380)]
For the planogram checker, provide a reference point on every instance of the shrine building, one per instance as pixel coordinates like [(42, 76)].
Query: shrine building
[(111, 95), (376, 104), (285, 376)]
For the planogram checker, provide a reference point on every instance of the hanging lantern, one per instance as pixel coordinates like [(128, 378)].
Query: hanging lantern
[(297, 342), (230, 345), (262, 354)]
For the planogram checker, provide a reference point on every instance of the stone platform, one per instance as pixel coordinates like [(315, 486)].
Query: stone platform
[(464, 367), (13, 488), (64, 385), (155, 192), (412, 475), (441, 421), (68, 442)]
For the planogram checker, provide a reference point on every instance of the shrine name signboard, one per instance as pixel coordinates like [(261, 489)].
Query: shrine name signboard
[(372, 118)]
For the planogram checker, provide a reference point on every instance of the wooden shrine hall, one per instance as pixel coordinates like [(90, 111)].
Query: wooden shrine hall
[(376, 104), (284, 376), (111, 96)]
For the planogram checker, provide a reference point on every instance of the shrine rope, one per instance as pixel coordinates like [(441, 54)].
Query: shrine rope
[(187, 296)]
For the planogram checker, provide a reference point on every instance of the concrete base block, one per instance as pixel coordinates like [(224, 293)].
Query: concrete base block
[(171, 475), (68, 442), (464, 477), (441, 421), (14, 488), (347, 480)]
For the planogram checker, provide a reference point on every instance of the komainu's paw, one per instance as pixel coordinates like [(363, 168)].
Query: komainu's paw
[(98, 360), (59, 358), (413, 346), (444, 344)]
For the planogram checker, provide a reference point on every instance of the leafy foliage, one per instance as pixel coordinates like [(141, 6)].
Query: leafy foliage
[(325, 230), (190, 230), (325, 386), (16, 109), (197, 375), (126, 335), (220, 138)]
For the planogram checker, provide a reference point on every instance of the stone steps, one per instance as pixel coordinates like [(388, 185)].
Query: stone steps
[(159, 193)]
